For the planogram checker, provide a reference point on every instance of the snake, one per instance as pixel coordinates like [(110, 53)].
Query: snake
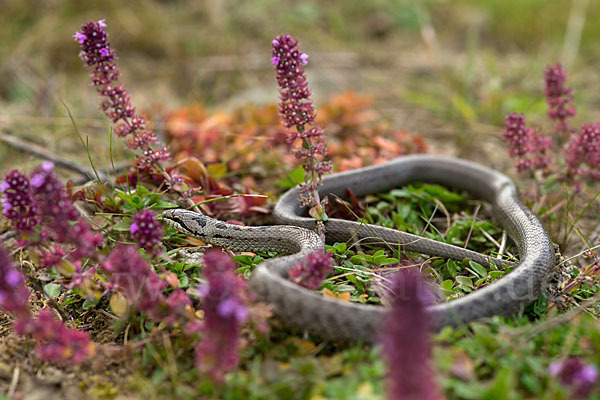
[(333, 319)]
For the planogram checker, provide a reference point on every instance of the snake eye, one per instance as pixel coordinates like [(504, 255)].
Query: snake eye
[(172, 217)]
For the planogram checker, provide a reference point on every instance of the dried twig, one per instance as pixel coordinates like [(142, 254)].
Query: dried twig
[(7, 235), (37, 150), (13, 383), (32, 148)]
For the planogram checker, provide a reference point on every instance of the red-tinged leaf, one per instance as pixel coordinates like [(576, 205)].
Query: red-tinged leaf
[(387, 144), (130, 179), (259, 210), (194, 169), (172, 279)]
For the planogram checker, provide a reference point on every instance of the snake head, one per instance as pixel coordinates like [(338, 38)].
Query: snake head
[(185, 221)]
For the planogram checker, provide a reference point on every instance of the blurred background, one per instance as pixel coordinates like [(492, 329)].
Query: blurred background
[(448, 70)]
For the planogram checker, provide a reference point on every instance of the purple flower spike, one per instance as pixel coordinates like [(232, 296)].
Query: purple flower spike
[(101, 60), (79, 37), (304, 58), (147, 231), (13, 292), (47, 166), (528, 148), (233, 308), (55, 208), (134, 278), (224, 303), (296, 106), (583, 154), (58, 343), (559, 98), (18, 205), (297, 111), (42, 205), (578, 376), (406, 344), (311, 272)]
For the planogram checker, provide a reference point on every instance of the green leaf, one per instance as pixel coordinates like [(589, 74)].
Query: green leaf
[(52, 289), (378, 259), (184, 281), (70, 300), (478, 268), (359, 260), (464, 280), (496, 274), (89, 304), (443, 194), (531, 382), (243, 259), (379, 253), (447, 287), (163, 204), (352, 279), (400, 193), (257, 260), (122, 226), (389, 261), (465, 283), (340, 248), (452, 267), (292, 179)]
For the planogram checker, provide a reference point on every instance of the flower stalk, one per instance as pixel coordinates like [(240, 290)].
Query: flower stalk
[(297, 111)]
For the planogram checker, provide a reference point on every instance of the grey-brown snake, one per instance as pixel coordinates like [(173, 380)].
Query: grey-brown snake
[(330, 318)]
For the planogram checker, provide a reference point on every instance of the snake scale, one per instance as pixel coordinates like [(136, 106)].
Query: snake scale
[(333, 319)]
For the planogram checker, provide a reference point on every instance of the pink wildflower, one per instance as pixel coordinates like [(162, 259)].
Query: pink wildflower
[(528, 148), (578, 376), (56, 342), (297, 110), (59, 215), (559, 98), (41, 208), (224, 304), (134, 277), (584, 151), (13, 292), (311, 272), (296, 106), (172, 308), (406, 342), (17, 203), (147, 231), (101, 60)]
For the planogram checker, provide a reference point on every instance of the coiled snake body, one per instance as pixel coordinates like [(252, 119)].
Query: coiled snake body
[(343, 321)]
